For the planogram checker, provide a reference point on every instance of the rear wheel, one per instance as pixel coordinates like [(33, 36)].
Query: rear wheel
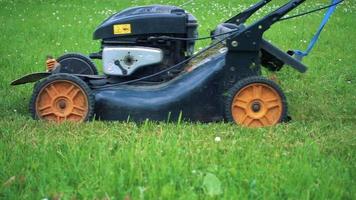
[(74, 63), (256, 102), (62, 97)]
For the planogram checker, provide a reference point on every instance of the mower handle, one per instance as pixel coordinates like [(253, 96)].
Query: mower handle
[(249, 42), (250, 38), (244, 15), (276, 15)]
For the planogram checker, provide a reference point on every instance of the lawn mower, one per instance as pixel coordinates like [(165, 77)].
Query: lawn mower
[(152, 72)]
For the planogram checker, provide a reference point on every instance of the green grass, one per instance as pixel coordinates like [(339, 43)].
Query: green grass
[(313, 157)]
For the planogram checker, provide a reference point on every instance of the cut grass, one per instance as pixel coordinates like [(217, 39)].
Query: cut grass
[(170, 161), (313, 157)]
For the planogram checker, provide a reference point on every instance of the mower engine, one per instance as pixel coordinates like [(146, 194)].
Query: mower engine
[(128, 45)]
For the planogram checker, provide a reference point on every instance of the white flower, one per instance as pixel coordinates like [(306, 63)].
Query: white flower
[(217, 139)]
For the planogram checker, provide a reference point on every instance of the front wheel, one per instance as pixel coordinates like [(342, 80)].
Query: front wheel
[(256, 102), (62, 97)]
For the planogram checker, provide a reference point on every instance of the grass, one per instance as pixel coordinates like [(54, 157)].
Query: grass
[(313, 157)]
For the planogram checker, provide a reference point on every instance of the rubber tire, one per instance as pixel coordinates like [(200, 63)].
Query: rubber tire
[(250, 80), (40, 84), (83, 58)]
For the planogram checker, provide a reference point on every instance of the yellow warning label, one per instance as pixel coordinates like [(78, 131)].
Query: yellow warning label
[(120, 29)]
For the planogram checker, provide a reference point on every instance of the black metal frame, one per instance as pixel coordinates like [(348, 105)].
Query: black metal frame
[(243, 58)]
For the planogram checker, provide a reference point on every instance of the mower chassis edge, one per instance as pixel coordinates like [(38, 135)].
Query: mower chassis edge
[(34, 77), (30, 78)]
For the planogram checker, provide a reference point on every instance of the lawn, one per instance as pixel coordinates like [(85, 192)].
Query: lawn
[(311, 157)]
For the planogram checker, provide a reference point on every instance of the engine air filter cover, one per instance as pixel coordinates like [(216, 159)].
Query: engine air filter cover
[(147, 20)]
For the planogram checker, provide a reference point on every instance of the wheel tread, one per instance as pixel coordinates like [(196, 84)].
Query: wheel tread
[(249, 80), (69, 77)]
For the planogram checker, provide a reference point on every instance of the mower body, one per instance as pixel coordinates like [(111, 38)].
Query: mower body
[(194, 96), (146, 53)]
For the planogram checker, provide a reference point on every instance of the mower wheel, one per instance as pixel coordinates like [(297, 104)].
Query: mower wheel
[(256, 102), (62, 97), (75, 63)]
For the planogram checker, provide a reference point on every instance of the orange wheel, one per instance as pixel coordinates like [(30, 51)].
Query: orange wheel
[(62, 97), (256, 102)]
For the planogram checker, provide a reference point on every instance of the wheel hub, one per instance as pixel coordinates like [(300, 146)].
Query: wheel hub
[(256, 107), (62, 104)]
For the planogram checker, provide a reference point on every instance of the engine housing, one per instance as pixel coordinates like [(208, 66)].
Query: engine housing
[(131, 30)]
